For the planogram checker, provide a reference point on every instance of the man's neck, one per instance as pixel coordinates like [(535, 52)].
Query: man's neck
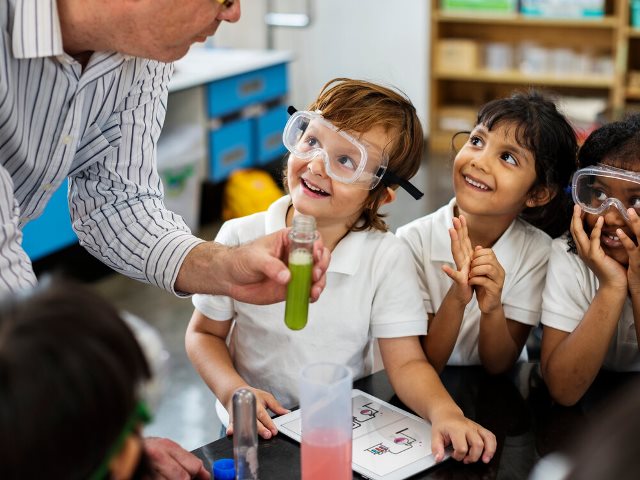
[(82, 32)]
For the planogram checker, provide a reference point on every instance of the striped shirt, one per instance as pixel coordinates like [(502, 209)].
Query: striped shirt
[(99, 126)]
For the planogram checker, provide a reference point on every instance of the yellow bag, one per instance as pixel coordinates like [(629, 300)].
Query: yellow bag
[(248, 191)]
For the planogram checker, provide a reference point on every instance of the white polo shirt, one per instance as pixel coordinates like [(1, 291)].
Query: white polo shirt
[(522, 250), (371, 291), (568, 293)]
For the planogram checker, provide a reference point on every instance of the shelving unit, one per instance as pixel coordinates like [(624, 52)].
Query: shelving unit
[(466, 84)]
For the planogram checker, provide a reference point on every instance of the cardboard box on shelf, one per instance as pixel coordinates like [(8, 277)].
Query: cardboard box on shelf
[(456, 118), (457, 55)]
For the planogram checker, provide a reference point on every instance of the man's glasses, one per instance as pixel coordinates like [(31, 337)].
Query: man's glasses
[(226, 3)]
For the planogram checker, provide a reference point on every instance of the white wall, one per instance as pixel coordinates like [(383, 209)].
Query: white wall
[(379, 40)]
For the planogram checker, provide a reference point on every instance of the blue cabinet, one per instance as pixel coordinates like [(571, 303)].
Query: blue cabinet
[(52, 230), (248, 115)]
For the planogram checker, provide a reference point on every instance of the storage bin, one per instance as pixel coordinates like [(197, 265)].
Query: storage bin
[(230, 147), (234, 93), (181, 155), (563, 8), (52, 230), (635, 13), (268, 134), (485, 6)]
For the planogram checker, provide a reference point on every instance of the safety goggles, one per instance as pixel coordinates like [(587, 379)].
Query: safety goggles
[(598, 188), (346, 159), (140, 416)]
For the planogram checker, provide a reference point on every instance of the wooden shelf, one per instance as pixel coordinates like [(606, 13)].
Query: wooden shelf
[(607, 22), (517, 78), (458, 59)]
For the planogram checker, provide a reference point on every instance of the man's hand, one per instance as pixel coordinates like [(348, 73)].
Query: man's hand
[(170, 460), (255, 272)]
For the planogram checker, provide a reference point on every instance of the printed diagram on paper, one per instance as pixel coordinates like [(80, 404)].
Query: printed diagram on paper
[(384, 440)]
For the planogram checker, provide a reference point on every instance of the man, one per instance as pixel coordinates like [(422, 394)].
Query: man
[(83, 91)]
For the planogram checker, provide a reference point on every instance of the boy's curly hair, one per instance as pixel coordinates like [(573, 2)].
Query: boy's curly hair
[(358, 106)]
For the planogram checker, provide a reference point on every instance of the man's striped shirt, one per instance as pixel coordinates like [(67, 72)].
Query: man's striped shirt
[(99, 126)]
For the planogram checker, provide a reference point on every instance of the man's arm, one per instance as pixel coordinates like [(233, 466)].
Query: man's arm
[(116, 201), (16, 272)]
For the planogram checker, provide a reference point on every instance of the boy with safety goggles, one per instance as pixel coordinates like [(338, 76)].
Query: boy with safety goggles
[(591, 301), (349, 152)]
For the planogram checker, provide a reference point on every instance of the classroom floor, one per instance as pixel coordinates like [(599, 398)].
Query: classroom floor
[(186, 413)]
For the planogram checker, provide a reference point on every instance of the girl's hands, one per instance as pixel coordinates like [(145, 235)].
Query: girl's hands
[(477, 270), (487, 278), (633, 250), (264, 400), (608, 271), (462, 254)]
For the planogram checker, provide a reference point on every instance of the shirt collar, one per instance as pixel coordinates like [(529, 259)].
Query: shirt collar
[(347, 255), (37, 33), (36, 29)]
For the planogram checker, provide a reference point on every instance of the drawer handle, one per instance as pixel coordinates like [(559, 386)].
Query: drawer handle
[(273, 141), (234, 156), (251, 87)]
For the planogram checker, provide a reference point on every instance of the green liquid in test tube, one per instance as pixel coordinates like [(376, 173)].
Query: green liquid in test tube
[(302, 236)]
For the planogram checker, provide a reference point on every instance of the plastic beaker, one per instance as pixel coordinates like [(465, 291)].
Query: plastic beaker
[(327, 421)]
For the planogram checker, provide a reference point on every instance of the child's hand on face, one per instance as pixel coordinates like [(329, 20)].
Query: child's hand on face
[(608, 270), (462, 254), (633, 250), (487, 279), (264, 400)]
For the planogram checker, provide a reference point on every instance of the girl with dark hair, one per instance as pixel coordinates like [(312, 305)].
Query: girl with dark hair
[(70, 372), (482, 281), (591, 301)]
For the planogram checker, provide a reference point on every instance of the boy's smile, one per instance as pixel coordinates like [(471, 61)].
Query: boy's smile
[(331, 202)]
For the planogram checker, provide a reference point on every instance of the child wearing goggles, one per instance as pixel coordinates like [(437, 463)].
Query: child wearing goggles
[(70, 374), (481, 262), (591, 300), (342, 150)]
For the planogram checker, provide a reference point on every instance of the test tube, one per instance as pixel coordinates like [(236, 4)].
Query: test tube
[(302, 236), (245, 436)]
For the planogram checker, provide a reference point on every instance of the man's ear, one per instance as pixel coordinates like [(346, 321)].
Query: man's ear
[(540, 196), (390, 197)]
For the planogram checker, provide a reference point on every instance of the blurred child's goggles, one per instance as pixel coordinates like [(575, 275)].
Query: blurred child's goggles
[(597, 188), (346, 159), (139, 416)]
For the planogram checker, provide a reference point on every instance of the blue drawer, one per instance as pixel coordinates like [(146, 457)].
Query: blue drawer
[(230, 147), (231, 94), (269, 129), (52, 230)]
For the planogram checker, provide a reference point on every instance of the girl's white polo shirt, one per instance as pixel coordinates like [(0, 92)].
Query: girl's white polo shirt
[(522, 250), (569, 290), (371, 291)]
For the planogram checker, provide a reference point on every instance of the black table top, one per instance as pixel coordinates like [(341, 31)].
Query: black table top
[(515, 407)]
